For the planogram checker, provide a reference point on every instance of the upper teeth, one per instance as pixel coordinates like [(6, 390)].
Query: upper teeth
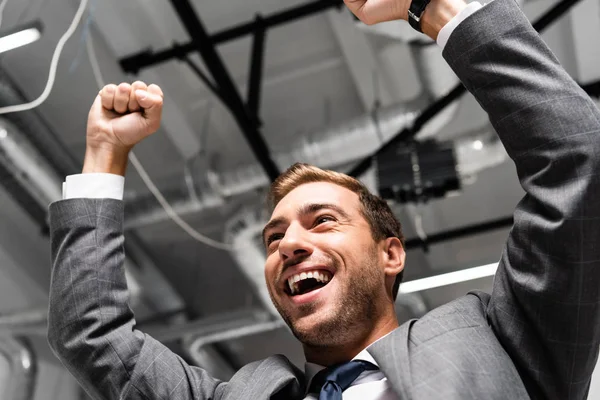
[(321, 276)]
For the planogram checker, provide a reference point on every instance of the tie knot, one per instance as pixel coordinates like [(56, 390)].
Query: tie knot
[(342, 375)]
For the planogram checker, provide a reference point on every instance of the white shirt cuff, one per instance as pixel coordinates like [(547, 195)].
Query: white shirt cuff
[(447, 30), (94, 186)]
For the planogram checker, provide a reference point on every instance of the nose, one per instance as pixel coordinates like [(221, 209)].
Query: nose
[(295, 243)]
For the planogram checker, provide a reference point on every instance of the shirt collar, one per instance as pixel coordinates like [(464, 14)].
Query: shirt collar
[(312, 369)]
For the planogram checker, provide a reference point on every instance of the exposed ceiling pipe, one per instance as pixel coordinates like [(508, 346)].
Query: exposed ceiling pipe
[(29, 168), (39, 134), (244, 231), (331, 147), (197, 346), (37, 176), (22, 369), (30, 317), (336, 145)]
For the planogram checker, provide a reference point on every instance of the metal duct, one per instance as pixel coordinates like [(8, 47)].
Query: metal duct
[(338, 144), (198, 347), (35, 174), (335, 146), (22, 369), (30, 168), (244, 231), (31, 317), (38, 131)]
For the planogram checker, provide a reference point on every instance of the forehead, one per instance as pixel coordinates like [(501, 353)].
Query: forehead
[(317, 193)]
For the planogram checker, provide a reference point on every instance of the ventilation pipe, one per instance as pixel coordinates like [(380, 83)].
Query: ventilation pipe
[(244, 231), (21, 368), (334, 146), (28, 167), (338, 144), (36, 175)]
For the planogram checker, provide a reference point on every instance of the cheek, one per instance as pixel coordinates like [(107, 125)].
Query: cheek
[(270, 270)]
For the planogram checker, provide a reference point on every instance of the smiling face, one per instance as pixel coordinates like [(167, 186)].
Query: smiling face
[(328, 277)]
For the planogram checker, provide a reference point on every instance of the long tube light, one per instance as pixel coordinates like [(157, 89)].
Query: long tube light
[(20, 36), (449, 278)]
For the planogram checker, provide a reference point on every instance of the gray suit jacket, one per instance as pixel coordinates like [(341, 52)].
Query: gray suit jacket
[(537, 335)]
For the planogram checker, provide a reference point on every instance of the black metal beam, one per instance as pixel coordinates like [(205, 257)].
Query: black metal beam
[(438, 106), (224, 82), (460, 233), (148, 58), (256, 70), (210, 85)]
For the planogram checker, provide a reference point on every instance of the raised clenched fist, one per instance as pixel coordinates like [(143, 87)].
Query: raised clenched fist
[(120, 117), (123, 115)]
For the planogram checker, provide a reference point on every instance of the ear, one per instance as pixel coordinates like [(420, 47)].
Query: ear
[(393, 259)]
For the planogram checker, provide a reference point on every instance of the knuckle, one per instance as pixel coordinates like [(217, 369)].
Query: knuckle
[(109, 89), (155, 88)]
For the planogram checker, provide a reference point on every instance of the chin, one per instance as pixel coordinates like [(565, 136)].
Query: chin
[(317, 329)]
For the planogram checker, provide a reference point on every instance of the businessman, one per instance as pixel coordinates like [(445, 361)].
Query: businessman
[(335, 252)]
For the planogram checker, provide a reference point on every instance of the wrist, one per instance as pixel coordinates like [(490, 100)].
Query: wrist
[(105, 160), (438, 13)]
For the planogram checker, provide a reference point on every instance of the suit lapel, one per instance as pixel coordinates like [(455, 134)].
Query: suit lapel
[(275, 378), (391, 353)]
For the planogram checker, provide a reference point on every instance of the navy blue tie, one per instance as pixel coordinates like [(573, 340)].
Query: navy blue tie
[(334, 380)]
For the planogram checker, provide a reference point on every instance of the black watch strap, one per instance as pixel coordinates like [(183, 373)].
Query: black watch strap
[(415, 12)]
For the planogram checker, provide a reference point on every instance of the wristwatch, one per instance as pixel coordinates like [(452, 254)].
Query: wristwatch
[(415, 12)]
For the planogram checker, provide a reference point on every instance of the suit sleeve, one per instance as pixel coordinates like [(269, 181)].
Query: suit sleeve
[(91, 327), (546, 298)]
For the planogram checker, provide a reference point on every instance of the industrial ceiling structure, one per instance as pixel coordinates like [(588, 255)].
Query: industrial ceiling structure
[(251, 86)]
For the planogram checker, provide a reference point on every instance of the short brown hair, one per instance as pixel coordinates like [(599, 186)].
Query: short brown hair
[(376, 211)]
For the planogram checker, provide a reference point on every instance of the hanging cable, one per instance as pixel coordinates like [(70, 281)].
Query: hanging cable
[(100, 82), (172, 214), (146, 177), (53, 66)]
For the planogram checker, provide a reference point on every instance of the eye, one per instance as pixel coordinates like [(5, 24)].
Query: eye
[(323, 219), (274, 237)]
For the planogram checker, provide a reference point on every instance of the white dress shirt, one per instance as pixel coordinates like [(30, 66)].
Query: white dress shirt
[(370, 385)]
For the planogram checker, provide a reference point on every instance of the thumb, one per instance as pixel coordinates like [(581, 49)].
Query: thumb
[(152, 104), (96, 109)]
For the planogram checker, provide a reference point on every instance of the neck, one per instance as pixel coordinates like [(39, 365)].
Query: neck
[(334, 354)]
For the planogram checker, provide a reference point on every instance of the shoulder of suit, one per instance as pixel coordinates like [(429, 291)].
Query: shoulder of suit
[(468, 311)]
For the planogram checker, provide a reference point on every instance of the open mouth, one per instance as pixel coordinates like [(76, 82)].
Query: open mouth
[(306, 282)]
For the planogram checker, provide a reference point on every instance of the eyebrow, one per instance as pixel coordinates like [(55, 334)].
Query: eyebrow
[(306, 209)]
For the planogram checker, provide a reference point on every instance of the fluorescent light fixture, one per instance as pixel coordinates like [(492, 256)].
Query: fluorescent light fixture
[(20, 36), (448, 279)]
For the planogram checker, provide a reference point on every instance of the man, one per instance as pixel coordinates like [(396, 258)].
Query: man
[(335, 251)]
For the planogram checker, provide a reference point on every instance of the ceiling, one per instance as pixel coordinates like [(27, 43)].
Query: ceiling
[(311, 80)]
